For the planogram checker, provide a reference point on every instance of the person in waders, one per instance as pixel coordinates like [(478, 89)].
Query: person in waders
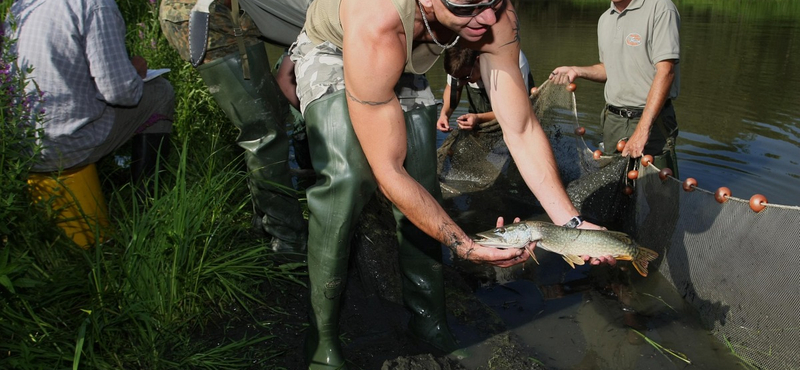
[(371, 121), (225, 41)]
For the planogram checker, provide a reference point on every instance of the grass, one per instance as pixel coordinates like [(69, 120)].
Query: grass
[(744, 361), (663, 350), (177, 268)]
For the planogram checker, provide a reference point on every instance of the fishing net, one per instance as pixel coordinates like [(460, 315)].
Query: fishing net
[(474, 160), (738, 268)]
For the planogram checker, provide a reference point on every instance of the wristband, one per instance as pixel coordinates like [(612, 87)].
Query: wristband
[(574, 222)]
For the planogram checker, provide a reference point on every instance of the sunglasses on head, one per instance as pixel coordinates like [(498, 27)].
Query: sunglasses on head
[(469, 10)]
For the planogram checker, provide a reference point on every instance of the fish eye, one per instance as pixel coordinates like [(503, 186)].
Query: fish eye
[(500, 230)]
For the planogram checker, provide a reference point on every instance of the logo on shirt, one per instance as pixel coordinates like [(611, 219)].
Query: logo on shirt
[(633, 39)]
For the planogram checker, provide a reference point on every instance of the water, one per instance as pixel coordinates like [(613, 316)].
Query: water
[(739, 105), (738, 113)]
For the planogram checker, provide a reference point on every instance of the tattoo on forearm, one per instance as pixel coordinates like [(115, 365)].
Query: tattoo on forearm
[(367, 102), (469, 251), (450, 239), (514, 19)]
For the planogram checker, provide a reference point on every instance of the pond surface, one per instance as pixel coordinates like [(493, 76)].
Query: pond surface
[(738, 113), (739, 105)]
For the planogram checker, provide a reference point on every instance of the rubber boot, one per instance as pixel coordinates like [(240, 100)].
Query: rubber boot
[(345, 184), (148, 151), (421, 255), (255, 107)]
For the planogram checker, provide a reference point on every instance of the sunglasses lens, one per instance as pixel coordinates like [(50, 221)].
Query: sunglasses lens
[(469, 10)]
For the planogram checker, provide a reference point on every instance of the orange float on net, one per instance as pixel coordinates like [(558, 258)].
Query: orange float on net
[(689, 184), (664, 173), (647, 159), (627, 190), (633, 174), (534, 91), (722, 194), (572, 87), (580, 131), (758, 202), (621, 145), (597, 154)]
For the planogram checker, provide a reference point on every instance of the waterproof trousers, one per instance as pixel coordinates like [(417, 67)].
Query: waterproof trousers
[(661, 143), (257, 108), (345, 184)]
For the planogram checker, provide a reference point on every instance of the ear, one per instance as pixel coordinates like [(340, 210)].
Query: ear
[(426, 3)]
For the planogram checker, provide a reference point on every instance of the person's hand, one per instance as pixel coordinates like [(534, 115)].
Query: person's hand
[(611, 261), (494, 256), (634, 147), (140, 64), (563, 75), (467, 121), (443, 124)]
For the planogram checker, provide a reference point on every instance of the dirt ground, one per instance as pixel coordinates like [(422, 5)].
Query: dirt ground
[(373, 319)]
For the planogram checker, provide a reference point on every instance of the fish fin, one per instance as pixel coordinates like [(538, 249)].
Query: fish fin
[(573, 260), (643, 259), (532, 255)]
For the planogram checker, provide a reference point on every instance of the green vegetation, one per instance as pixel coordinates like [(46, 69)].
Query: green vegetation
[(747, 364), (734, 11), (178, 269), (663, 350)]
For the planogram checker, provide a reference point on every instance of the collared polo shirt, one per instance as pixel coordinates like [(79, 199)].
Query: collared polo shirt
[(631, 43)]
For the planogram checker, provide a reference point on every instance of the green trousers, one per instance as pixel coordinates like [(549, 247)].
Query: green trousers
[(345, 184), (257, 108), (661, 143)]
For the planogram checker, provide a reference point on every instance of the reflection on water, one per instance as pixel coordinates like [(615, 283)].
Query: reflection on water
[(738, 113)]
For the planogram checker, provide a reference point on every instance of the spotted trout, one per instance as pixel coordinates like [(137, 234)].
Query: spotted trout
[(569, 243)]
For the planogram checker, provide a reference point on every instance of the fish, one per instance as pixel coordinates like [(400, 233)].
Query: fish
[(569, 243)]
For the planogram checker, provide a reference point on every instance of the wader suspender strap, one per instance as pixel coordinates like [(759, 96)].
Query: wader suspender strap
[(237, 31)]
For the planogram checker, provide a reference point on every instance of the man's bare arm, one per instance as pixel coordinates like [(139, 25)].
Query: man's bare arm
[(565, 75), (287, 81), (374, 58), (656, 97)]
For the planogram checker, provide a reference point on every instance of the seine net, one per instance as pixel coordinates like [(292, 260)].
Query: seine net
[(738, 268)]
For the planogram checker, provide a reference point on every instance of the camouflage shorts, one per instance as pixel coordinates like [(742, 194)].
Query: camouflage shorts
[(174, 18), (320, 71)]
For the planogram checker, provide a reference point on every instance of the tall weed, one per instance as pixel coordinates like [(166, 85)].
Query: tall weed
[(144, 299)]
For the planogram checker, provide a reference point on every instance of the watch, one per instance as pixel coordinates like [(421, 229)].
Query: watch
[(574, 222)]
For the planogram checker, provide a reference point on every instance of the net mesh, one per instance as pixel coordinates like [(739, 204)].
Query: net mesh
[(739, 268)]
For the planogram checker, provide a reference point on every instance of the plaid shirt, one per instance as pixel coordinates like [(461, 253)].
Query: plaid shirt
[(77, 51)]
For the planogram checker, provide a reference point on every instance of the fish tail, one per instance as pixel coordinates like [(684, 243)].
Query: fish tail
[(642, 260)]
